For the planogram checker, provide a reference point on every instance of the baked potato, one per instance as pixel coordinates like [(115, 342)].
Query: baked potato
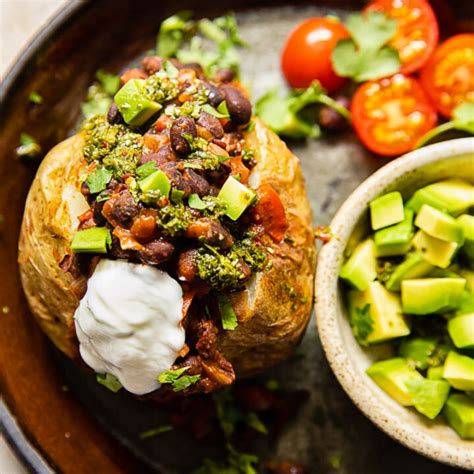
[(218, 205)]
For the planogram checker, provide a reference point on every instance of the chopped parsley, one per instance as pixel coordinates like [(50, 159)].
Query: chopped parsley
[(177, 379), (35, 98), (160, 87), (97, 180), (110, 83), (228, 316), (99, 94), (173, 220), (362, 324)]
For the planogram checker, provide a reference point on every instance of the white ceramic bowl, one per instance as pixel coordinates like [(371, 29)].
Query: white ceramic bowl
[(347, 359)]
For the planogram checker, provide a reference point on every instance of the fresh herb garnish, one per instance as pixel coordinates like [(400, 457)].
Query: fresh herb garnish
[(145, 170), (177, 380), (362, 324), (366, 55), (29, 147), (214, 112), (35, 98), (172, 33), (196, 202), (283, 114), (109, 381), (97, 180), (99, 94), (155, 431), (335, 460), (236, 463), (463, 119), (228, 316), (110, 83), (176, 196)]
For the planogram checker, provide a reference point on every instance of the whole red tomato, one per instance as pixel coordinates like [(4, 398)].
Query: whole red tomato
[(307, 53)]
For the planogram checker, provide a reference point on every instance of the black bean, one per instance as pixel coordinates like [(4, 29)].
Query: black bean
[(240, 108), (113, 183), (214, 95), (182, 126), (176, 178), (114, 116), (198, 184), (124, 209), (332, 120), (85, 190), (152, 64), (211, 124), (224, 75), (156, 252), (164, 155), (195, 67)]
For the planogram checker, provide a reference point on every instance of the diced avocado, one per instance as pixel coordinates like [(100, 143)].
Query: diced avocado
[(361, 267), (461, 330), (414, 266), (385, 312), (467, 223), (136, 108), (439, 225), (467, 304), (393, 376), (469, 276), (156, 181), (93, 240), (444, 273), (236, 197), (459, 413), (435, 373), (435, 251), (418, 351), (459, 371), (432, 295), (396, 239), (429, 396), (454, 196), (386, 210)]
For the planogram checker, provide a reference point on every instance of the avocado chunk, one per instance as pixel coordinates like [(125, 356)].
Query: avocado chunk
[(136, 108), (435, 373), (156, 181), (396, 239), (236, 197), (459, 413), (361, 268), (93, 240), (453, 196), (418, 351), (435, 251), (429, 396), (384, 310), (461, 330), (438, 224), (386, 210), (467, 223), (432, 295), (393, 376), (467, 304), (469, 276), (459, 371), (414, 266)]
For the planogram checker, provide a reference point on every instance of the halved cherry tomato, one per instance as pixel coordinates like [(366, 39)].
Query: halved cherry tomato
[(270, 213), (390, 115), (307, 53), (448, 78), (417, 33)]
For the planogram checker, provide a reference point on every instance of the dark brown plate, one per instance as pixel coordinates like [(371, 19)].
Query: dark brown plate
[(55, 415)]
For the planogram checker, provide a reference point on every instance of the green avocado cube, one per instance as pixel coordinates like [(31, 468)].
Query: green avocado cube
[(361, 267), (393, 377), (439, 225), (429, 396), (414, 266), (236, 197), (469, 276), (435, 251), (461, 330), (459, 371), (435, 373), (386, 210), (396, 239), (467, 304), (156, 181), (93, 240), (459, 413), (432, 295), (467, 223), (418, 351), (136, 108)]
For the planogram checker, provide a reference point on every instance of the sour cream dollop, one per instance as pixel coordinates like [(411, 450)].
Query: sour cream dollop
[(129, 323)]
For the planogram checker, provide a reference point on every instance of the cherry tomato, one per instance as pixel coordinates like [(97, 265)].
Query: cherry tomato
[(390, 115), (270, 213), (307, 53), (448, 78), (417, 33)]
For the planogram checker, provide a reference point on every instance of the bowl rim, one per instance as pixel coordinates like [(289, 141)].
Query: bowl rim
[(331, 338)]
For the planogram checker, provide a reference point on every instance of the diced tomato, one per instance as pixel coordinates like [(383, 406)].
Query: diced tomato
[(237, 167), (154, 141), (133, 74), (270, 213), (86, 216)]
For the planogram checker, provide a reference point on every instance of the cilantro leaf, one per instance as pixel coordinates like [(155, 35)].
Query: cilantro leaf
[(362, 324), (145, 170), (109, 381), (155, 431), (463, 119), (110, 82), (236, 463), (97, 180), (35, 98), (365, 55), (177, 380), (96, 106), (215, 112), (196, 202), (171, 34), (228, 316)]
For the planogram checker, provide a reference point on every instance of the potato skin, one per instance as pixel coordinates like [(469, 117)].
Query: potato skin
[(273, 311)]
